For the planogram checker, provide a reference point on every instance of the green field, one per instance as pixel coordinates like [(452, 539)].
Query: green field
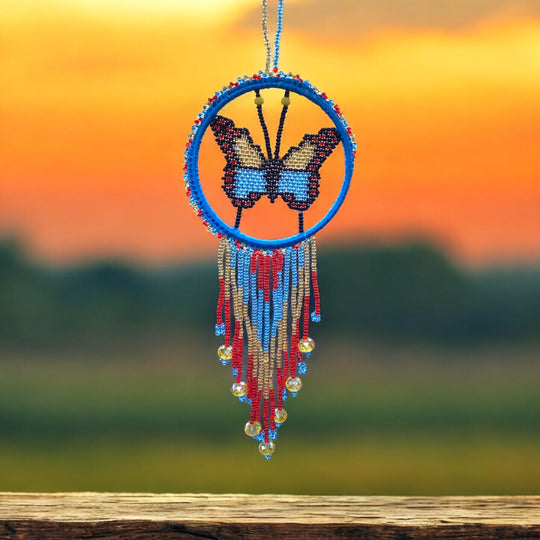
[(369, 420)]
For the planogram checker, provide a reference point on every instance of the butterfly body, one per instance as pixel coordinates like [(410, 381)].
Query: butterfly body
[(249, 174), (273, 171)]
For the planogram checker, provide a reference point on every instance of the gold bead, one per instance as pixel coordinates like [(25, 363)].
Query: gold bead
[(280, 415), (251, 430), (293, 384), (285, 101), (259, 100), (224, 352), (306, 345), (267, 449), (239, 389)]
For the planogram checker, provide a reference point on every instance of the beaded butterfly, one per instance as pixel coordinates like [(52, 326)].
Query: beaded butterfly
[(249, 174)]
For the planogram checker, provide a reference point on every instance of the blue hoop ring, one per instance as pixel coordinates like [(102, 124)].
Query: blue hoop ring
[(243, 85)]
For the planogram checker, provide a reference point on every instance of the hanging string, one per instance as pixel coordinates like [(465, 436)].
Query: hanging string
[(265, 35), (279, 27)]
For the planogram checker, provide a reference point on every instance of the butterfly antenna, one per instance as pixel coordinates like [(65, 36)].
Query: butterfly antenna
[(286, 101), (259, 100)]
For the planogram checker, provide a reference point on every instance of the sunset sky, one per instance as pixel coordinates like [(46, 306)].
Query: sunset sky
[(98, 96)]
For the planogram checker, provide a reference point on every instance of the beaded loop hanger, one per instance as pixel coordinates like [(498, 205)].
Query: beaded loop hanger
[(268, 289), (279, 27)]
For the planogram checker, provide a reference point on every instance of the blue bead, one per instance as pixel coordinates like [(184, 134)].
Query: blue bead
[(244, 399), (307, 354), (234, 372), (272, 434), (315, 317), (293, 394), (259, 437), (267, 457), (220, 329), (285, 397), (224, 361), (302, 368)]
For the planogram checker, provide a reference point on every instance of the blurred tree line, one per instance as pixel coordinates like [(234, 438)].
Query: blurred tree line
[(401, 292)]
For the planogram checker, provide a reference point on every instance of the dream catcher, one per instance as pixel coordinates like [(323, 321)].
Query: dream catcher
[(268, 289)]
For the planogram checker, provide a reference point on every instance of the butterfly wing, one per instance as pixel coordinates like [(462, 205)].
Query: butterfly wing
[(298, 184), (244, 179)]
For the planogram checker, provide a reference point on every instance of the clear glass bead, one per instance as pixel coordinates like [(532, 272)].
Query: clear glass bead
[(267, 448), (252, 430), (239, 389), (293, 384), (224, 352), (280, 415), (306, 345)]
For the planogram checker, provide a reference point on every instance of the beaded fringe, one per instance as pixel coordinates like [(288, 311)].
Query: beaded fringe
[(264, 312)]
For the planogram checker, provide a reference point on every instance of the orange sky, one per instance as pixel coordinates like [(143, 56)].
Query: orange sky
[(98, 97)]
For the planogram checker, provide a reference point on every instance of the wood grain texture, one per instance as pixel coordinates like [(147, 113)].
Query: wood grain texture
[(143, 516)]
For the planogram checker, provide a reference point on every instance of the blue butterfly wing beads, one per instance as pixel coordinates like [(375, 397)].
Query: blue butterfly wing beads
[(244, 179), (299, 186)]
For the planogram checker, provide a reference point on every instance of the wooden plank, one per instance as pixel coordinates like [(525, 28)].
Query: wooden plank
[(46, 516)]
